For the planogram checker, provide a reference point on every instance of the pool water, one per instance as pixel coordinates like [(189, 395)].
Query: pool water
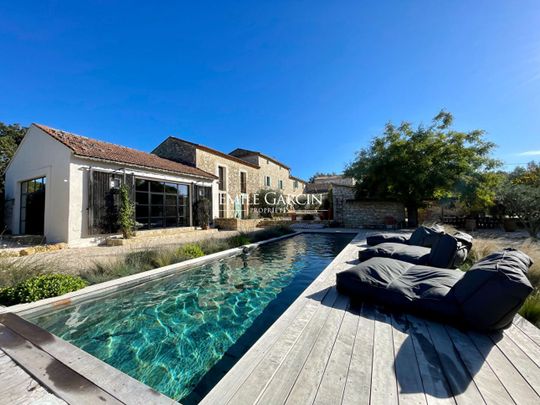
[(181, 333)]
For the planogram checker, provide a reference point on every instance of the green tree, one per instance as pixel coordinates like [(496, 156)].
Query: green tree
[(126, 214), (520, 196), (478, 193), (11, 136), (319, 174), (413, 165)]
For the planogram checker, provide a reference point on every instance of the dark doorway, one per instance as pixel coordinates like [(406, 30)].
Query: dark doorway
[(32, 220)]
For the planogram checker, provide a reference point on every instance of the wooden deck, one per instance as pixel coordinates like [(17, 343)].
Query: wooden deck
[(324, 350)]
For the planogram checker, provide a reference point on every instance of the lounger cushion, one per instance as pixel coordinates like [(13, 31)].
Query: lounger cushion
[(422, 236), (426, 236), (368, 280), (493, 290), (398, 251), (443, 251), (485, 298), (428, 290), (378, 238)]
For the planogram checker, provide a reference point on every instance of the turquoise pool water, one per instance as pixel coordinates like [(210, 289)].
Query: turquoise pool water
[(181, 333)]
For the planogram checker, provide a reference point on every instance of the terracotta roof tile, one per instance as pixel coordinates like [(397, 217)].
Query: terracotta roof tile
[(94, 149)]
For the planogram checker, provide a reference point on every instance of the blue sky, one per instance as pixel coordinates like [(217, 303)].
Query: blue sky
[(308, 82)]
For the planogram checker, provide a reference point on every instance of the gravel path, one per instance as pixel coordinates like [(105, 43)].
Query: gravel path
[(73, 260)]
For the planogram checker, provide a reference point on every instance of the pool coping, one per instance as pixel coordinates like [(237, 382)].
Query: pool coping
[(82, 365)]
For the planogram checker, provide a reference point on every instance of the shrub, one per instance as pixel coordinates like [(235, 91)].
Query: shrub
[(14, 271), (39, 287), (189, 251), (531, 308), (203, 209), (126, 214), (239, 240), (214, 245)]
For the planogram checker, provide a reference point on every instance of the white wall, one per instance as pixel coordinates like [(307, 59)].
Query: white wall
[(40, 155)]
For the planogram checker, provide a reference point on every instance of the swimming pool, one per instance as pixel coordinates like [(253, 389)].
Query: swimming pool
[(181, 333)]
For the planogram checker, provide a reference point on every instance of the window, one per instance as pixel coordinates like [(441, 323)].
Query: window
[(222, 205), (32, 214), (222, 178), (267, 181), (295, 184), (280, 184), (159, 204), (243, 182)]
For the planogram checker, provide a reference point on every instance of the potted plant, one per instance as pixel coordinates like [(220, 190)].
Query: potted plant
[(390, 222), (509, 224), (202, 209)]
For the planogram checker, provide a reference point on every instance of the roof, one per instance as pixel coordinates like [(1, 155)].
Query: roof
[(246, 152), (313, 188), (215, 152), (297, 179), (94, 149)]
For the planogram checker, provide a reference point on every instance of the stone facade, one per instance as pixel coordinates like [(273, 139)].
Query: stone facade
[(363, 214), (210, 162), (257, 168), (235, 224), (278, 173)]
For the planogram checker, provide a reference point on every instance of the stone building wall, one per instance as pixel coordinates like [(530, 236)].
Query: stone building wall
[(209, 162), (177, 150), (234, 224), (363, 214)]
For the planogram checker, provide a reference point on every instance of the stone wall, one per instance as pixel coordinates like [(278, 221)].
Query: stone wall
[(363, 214), (209, 162), (234, 224), (177, 150), (277, 173)]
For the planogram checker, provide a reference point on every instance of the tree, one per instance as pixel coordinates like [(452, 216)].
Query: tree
[(126, 214), (478, 193), (413, 165), (520, 196), (319, 174), (11, 136)]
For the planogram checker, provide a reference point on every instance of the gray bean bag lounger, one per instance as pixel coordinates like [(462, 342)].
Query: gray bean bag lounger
[(448, 251), (485, 298), (422, 236)]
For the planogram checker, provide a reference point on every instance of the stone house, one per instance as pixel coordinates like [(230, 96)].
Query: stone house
[(240, 173)]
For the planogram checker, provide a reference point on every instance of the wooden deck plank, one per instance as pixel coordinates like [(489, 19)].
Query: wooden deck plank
[(528, 328), (435, 385), (459, 379), (266, 353), (279, 387), (409, 380), (358, 384), (332, 386), (383, 376), (309, 379), (520, 391), (488, 384), (68, 385), (522, 340), (256, 382), (526, 367)]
